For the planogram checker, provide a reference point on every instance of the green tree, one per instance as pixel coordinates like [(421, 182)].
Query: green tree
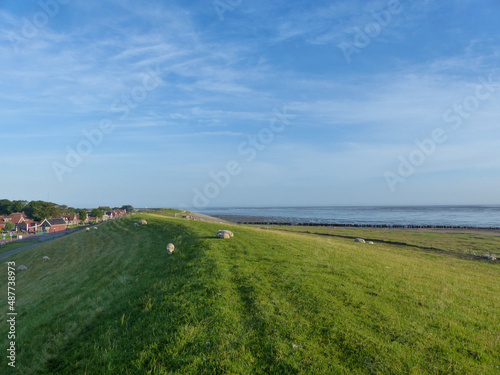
[(128, 208), (97, 213), (18, 206), (9, 226), (39, 210), (5, 207), (82, 214)]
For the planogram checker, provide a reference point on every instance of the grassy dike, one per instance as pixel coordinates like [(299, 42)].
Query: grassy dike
[(15, 245), (112, 301)]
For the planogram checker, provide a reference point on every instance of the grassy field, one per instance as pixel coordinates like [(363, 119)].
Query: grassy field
[(458, 244), (112, 301)]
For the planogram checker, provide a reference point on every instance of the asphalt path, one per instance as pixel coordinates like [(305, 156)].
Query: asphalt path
[(200, 217), (44, 238)]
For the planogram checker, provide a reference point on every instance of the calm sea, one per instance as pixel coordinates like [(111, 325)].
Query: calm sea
[(455, 216)]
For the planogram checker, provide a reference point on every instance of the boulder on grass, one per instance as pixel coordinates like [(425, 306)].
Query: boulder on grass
[(170, 248)]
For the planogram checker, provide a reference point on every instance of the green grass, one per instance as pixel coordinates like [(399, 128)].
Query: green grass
[(75, 226), (112, 301), (458, 244), (15, 245)]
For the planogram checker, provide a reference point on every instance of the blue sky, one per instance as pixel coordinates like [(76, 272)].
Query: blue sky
[(250, 103)]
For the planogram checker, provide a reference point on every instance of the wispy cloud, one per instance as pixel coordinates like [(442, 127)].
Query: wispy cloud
[(221, 81)]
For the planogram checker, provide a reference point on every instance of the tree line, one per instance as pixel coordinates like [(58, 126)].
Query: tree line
[(39, 210)]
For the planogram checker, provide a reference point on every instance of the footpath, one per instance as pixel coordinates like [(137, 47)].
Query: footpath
[(43, 238)]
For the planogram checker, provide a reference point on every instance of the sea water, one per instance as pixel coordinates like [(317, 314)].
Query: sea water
[(487, 216)]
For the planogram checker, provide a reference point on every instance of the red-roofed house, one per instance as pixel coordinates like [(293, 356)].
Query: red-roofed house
[(3, 220), (53, 225), (16, 218), (27, 226), (72, 219)]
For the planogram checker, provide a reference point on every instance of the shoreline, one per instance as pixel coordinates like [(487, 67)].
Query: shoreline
[(273, 221)]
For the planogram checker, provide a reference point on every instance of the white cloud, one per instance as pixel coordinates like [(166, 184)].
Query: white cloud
[(221, 82)]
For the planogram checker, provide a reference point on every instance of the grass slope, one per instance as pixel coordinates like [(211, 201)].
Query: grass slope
[(457, 244), (112, 302), (15, 245)]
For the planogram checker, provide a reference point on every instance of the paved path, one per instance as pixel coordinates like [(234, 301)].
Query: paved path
[(200, 217), (211, 219), (15, 251), (44, 238)]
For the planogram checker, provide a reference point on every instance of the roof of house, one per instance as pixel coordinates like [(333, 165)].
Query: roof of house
[(51, 222), (17, 219), (17, 214)]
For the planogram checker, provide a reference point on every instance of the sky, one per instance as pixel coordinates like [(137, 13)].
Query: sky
[(250, 103)]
